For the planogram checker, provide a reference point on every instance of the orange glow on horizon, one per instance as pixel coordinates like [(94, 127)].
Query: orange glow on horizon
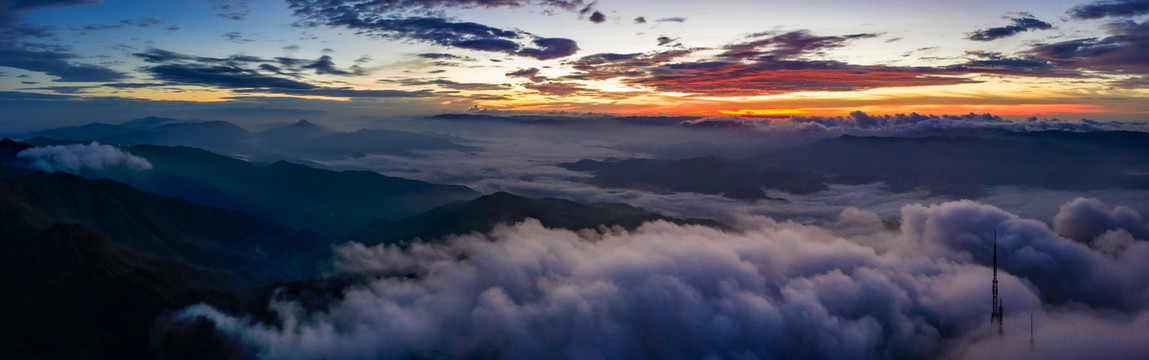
[(759, 112), (1016, 110)]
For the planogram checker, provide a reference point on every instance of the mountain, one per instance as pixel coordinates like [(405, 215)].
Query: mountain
[(297, 141), (89, 132), (290, 135), (10, 164), (958, 166), (481, 215), (342, 145), (149, 122), (706, 175), (963, 166), (67, 292), (330, 202), (97, 131), (217, 136), (253, 250), (43, 141), (9, 149)]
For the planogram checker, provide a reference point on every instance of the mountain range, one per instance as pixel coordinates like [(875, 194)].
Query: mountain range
[(297, 141), (334, 203), (94, 268), (482, 214), (958, 166)]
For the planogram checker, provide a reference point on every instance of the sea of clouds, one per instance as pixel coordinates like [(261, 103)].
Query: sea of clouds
[(855, 288)]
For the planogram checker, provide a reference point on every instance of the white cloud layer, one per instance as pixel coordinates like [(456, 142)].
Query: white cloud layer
[(77, 158), (850, 289)]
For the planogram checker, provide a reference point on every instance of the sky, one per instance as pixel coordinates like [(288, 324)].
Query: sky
[(74, 61)]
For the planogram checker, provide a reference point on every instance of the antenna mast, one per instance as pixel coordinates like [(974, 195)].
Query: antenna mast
[(997, 310)]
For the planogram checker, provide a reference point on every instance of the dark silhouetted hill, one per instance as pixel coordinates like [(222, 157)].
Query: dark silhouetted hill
[(331, 202), (706, 175), (958, 166), (67, 292), (964, 166), (253, 250), (482, 214), (358, 143)]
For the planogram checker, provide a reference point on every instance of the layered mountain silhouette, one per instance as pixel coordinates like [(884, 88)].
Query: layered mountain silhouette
[(253, 250), (334, 203), (706, 175), (92, 268), (308, 140), (67, 292), (958, 166), (964, 166), (482, 214), (300, 140), (104, 265)]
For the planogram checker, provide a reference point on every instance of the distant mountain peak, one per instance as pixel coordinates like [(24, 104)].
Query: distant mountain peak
[(149, 122)]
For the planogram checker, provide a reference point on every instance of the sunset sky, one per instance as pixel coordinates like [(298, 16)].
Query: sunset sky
[(345, 59)]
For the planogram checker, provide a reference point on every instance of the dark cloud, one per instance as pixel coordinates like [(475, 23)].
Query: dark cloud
[(344, 92), (231, 9), (58, 64), (35, 4), (527, 73), (25, 96), (768, 290), (326, 66), (787, 45), (996, 63), (62, 89), (735, 78), (640, 20), (236, 37), (248, 74), (610, 65), (123, 85), (18, 36), (1102, 9), (442, 56), (448, 84), (154, 55), (1024, 23), (597, 17), (126, 23), (775, 63), (677, 19), (9, 9), (223, 76), (559, 89), (409, 6), (1134, 83), (383, 19), (550, 48), (1122, 52), (667, 41)]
